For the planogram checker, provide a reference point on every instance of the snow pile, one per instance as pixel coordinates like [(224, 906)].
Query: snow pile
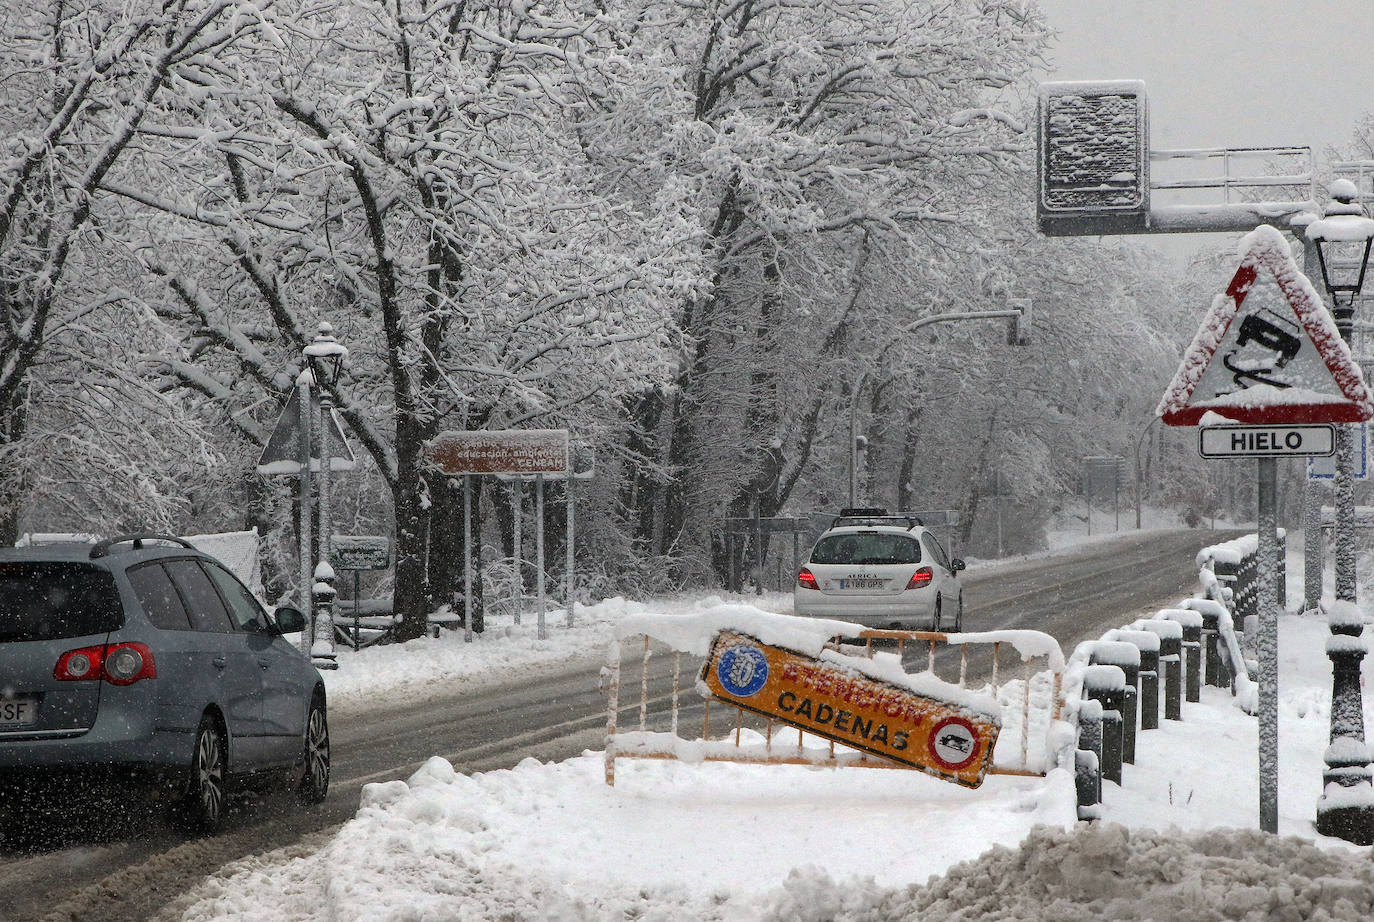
[(550, 842), (1092, 873)]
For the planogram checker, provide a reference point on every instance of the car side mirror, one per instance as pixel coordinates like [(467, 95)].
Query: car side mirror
[(957, 564), (289, 620)]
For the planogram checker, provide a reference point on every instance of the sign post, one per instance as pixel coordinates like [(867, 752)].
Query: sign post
[(358, 553), (1269, 357), (503, 452), (292, 452)]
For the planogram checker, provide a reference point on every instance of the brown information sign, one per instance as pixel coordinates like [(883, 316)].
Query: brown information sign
[(877, 717), (500, 451)]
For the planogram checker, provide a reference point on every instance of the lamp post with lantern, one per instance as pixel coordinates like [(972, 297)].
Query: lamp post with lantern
[(1342, 239), (325, 356)]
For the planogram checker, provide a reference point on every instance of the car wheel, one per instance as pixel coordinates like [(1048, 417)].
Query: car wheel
[(935, 619), (314, 786), (202, 805)]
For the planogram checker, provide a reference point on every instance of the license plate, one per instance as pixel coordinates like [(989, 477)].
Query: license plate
[(862, 583), (18, 712)]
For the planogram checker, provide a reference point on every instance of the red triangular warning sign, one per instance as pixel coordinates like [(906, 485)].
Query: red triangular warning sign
[(1268, 352)]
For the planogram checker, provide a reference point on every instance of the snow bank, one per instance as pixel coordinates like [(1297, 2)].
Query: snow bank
[(1098, 872)]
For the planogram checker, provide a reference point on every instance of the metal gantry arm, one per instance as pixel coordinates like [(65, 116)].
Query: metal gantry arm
[(863, 375)]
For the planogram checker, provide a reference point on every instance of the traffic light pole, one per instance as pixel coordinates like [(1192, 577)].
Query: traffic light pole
[(1018, 336)]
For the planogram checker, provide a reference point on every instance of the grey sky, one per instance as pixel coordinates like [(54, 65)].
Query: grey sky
[(1227, 73)]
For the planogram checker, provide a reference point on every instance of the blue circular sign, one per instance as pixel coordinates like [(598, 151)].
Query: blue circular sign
[(742, 671)]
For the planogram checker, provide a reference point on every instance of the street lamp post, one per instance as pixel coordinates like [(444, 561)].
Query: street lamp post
[(1342, 240), (1018, 335), (1138, 480), (325, 356)]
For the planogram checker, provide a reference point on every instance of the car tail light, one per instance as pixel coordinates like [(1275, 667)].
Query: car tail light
[(76, 665), (118, 664), (126, 663), (806, 579), (921, 578)]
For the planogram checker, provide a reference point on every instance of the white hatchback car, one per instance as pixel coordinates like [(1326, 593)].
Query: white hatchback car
[(881, 571)]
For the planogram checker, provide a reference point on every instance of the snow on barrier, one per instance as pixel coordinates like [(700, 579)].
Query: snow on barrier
[(1030, 737), (1235, 564), (1112, 685)]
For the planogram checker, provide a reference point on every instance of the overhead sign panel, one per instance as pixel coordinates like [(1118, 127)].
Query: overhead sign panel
[(1268, 352), (880, 718), (1267, 441), (1094, 158), (499, 451)]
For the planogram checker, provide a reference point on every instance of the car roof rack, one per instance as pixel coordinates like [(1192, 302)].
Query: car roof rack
[(849, 518), (103, 548)]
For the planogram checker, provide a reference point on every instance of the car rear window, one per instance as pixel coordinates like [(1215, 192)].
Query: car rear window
[(868, 548), (51, 601)]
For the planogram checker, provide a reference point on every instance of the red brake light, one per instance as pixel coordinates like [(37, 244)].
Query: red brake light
[(118, 664), (921, 578), (806, 579), (78, 665)]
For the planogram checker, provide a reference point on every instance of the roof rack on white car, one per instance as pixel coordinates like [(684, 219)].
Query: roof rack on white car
[(874, 516)]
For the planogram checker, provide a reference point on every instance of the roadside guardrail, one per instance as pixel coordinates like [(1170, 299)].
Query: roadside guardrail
[(1113, 685)]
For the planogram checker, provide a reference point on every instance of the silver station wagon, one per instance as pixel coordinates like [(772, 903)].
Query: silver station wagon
[(139, 660), (881, 571)]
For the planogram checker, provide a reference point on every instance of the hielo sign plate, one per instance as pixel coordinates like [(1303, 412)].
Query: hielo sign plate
[(1266, 441)]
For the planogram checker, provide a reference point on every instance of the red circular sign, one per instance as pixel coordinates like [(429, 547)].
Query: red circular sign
[(953, 743)]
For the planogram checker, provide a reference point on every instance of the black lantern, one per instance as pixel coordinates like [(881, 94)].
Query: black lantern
[(326, 354), (1343, 239)]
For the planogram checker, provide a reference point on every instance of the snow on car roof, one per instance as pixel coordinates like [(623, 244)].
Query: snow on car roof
[(906, 523)]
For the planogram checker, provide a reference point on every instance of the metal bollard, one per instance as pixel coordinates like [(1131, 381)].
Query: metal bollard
[(1170, 668), (1192, 649), (1191, 622), (1149, 689), (1147, 671), (1087, 777), (1212, 671), (1171, 655), (1107, 685), (1088, 757), (1126, 657)]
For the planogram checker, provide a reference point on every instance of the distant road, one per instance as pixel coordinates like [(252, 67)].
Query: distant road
[(128, 868)]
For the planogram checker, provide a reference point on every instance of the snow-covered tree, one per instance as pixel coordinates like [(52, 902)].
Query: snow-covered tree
[(415, 174), (828, 145), (80, 78)]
